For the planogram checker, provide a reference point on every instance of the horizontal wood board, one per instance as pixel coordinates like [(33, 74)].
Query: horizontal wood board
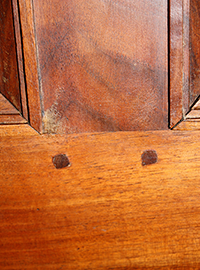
[(8, 113), (105, 211)]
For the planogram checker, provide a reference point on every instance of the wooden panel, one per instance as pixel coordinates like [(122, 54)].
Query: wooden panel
[(192, 119), (195, 50), (20, 59), (9, 114), (16, 131), (176, 63), (102, 64), (179, 60), (9, 83), (105, 211), (30, 63), (11, 119), (6, 107)]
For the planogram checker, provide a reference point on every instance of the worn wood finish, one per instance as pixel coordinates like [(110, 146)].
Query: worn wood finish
[(30, 63), (195, 50), (103, 64), (9, 82), (105, 211)]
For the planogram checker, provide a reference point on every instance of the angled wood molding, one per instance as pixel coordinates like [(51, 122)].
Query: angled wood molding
[(184, 64)]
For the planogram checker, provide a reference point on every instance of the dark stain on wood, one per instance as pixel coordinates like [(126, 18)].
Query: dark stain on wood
[(61, 161), (149, 157)]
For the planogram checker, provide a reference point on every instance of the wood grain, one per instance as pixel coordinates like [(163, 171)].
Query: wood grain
[(194, 50), (9, 82), (6, 107), (176, 60), (18, 38), (105, 211), (103, 64), (189, 125), (30, 63), (179, 57), (11, 119), (192, 119), (19, 130), (8, 113)]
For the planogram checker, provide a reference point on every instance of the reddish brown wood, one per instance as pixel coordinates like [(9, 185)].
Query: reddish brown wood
[(18, 38), (186, 56), (16, 130), (9, 83), (6, 107), (8, 113), (194, 50), (191, 120), (105, 211), (176, 61), (6, 119), (103, 64), (30, 63)]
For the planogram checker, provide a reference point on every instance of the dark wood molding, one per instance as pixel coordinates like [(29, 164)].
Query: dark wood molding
[(18, 39)]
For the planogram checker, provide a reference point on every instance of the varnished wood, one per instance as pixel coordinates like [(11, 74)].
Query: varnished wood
[(20, 59), (19, 130), (30, 63), (102, 66), (176, 60), (12, 119), (9, 114), (194, 50), (191, 120), (6, 107), (9, 82), (189, 125), (179, 60), (105, 211)]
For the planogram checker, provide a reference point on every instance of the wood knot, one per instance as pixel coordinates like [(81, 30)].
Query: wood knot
[(149, 157), (60, 161)]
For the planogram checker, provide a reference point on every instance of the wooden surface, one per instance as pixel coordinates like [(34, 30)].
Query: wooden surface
[(194, 50), (31, 68), (105, 211), (16, 130), (6, 107), (192, 119), (19, 45), (102, 64), (176, 60), (179, 60), (9, 82), (8, 113)]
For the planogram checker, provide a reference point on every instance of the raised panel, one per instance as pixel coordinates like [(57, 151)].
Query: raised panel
[(98, 65)]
